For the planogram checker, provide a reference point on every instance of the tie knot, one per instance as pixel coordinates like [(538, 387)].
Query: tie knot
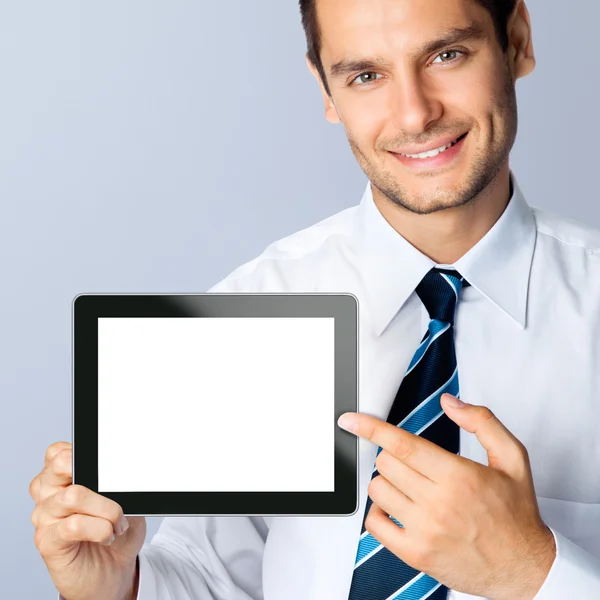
[(439, 291)]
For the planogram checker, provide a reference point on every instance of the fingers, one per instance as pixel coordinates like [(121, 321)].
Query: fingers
[(77, 499), (73, 529), (505, 451), (383, 529), (67, 514), (418, 453), (389, 499), (404, 478), (54, 449), (56, 474)]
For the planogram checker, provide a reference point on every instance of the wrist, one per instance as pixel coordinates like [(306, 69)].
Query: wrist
[(543, 560), (528, 577), (132, 584)]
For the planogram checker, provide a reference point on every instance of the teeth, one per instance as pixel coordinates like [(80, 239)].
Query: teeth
[(431, 153)]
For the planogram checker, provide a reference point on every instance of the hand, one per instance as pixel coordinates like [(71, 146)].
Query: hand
[(475, 528), (73, 531)]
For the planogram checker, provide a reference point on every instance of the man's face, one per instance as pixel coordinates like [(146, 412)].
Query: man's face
[(409, 76)]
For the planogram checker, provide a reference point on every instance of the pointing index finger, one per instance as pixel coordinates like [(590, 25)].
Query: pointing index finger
[(423, 456)]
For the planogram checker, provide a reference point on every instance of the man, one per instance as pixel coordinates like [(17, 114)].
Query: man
[(442, 242)]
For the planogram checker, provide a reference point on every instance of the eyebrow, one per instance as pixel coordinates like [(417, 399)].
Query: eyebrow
[(452, 36)]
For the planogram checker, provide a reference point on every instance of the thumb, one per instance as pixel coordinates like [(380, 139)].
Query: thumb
[(505, 452)]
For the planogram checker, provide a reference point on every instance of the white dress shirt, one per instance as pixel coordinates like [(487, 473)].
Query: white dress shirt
[(527, 336)]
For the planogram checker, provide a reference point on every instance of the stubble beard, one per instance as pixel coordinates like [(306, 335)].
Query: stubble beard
[(487, 163)]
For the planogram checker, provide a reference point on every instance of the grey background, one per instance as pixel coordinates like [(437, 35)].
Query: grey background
[(153, 146)]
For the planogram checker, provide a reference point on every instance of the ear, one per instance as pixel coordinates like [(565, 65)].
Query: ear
[(520, 49), (331, 113)]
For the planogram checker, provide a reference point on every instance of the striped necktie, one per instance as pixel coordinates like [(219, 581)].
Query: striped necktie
[(378, 573)]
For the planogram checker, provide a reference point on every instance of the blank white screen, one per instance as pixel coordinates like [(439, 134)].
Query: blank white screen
[(215, 404)]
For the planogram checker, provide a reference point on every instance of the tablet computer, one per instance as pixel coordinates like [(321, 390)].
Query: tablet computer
[(216, 403)]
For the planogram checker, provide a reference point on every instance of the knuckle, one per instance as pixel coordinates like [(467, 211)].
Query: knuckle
[(381, 462), (73, 495), (53, 449), (372, 519), (34, 486), (107, 529), (485, 413), (374, 486), (522, 465), (370, 431), (61, 463), (73, 526), (402, 450), (371, 488), (115, 513), (369, 522), (35, 515), (102, 531)]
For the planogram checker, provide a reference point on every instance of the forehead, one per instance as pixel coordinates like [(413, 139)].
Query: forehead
[(379, 27)]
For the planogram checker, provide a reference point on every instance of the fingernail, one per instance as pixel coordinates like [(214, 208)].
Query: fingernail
[(348, 423), (123, 526), (453, 401), (110, 540)]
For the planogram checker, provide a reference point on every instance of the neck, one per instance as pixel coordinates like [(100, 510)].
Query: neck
[(444, 236)]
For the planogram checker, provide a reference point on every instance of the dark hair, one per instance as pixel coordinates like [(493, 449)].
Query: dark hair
[(500, 10)]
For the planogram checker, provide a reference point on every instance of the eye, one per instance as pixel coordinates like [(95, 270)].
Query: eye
[(447, 56), (367, 77)]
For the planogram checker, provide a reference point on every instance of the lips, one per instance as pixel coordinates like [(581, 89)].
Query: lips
[(432, 152), (441, 157)]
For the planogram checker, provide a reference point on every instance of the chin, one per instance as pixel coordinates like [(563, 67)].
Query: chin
[(424, 199), (432, 206)]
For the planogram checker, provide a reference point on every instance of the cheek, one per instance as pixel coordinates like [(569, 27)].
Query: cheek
[(475, 92), (487, 98), (365, 116), (468, 104)]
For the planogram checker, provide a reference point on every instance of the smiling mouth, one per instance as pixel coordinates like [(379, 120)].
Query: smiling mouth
[(435, 151)]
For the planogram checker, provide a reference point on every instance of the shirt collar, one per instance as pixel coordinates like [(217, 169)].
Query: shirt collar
[(497, 266)]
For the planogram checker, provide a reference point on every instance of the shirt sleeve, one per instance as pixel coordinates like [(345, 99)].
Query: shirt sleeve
[(575, 573), (204, 558)]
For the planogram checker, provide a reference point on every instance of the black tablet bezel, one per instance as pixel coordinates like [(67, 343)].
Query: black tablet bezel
[(343, 307)]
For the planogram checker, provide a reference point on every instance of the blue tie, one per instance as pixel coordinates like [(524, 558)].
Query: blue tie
[(378, 573)]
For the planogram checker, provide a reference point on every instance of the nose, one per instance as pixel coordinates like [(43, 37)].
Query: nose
[(414, 104)]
